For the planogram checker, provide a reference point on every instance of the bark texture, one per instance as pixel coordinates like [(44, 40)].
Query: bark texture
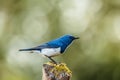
[(58, 71)]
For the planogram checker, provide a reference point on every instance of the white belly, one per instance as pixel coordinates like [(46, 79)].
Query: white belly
[(50, 52)]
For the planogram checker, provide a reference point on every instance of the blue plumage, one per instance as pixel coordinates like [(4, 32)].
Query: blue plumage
[(54, 47), (62, 42)]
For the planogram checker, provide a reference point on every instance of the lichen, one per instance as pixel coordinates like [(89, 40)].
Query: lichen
[(60, 68)]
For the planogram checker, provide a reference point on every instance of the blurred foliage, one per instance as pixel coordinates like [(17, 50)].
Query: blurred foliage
[(27, 23)]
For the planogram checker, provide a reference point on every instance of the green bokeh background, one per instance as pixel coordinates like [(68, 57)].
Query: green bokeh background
[(27, 23)]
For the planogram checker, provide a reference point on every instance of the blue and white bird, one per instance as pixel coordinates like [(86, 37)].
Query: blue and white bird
[(54, 47)]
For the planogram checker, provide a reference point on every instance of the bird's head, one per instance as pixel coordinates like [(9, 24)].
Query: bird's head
[(65, 41), (71, 37)]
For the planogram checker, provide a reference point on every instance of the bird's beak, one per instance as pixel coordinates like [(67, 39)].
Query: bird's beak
[(76, 37)]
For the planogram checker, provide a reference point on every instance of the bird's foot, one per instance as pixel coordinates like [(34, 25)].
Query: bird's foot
[(52, 60)]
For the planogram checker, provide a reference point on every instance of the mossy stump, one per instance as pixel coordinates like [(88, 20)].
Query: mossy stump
[(59, 71)]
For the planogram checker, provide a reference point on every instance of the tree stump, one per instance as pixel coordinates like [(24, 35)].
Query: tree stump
[(59, 71)]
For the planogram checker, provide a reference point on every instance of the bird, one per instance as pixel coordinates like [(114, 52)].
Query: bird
[(54, 47)]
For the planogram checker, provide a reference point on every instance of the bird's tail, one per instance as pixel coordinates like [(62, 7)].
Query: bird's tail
[(26, 49)]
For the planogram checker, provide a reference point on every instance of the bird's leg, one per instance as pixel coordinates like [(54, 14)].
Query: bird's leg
[(51, 59)]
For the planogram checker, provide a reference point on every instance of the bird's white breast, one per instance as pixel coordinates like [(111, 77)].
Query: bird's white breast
[(50, 51)]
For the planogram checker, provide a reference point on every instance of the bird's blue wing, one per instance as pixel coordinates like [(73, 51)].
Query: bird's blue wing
[(46, 45), (43, 46)]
